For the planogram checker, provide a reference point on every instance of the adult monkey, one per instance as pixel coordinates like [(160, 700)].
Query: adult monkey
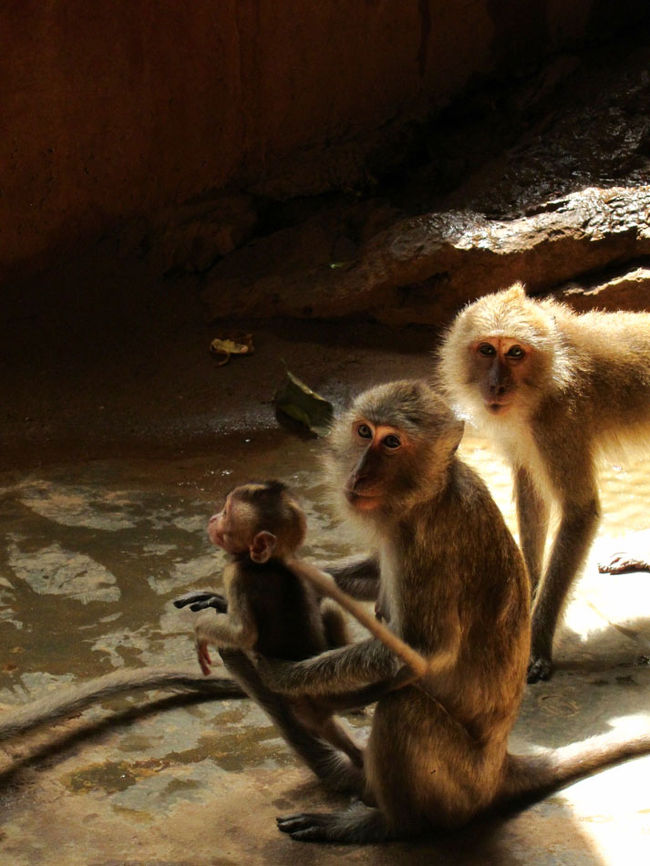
[(553, 389), (455, 588)]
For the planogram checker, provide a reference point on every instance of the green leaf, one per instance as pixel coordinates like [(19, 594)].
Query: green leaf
[(303, 406)]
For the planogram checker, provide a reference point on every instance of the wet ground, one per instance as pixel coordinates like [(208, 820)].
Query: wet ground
[(92, 554)]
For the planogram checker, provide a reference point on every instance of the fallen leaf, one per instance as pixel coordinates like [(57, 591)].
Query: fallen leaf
[(296, 400), (225, 346)]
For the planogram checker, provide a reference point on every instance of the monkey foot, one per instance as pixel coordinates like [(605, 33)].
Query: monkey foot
[(306, 826), (356, 826), (620, 563), (539, 669)]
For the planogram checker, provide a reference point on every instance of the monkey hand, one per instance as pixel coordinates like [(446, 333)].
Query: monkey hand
[(201, 599)]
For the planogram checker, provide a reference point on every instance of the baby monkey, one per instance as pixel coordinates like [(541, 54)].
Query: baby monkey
[(269, 607)]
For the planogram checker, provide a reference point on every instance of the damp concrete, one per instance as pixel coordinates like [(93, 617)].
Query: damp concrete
[(91, 555)]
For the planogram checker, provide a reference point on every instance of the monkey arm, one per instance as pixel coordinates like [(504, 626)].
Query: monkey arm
[(331, 672), (234, 629), (357, 575), (324, 584)]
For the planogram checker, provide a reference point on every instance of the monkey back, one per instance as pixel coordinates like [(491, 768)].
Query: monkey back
[(286, 611)]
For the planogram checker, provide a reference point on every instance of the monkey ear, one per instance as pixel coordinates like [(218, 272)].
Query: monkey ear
[(452, 437), (262, 546)]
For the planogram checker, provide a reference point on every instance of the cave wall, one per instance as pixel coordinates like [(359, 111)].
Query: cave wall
[(117, 109)]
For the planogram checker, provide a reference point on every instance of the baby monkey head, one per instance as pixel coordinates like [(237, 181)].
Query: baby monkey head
[(262, 520)]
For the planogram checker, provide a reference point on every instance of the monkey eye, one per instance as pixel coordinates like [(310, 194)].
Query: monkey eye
[(515, 352), (364, 431), (391, 441), (487, 349)]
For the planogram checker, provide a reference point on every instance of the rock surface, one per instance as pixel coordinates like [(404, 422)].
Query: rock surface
[(421, 269), (113, 112), (545, 182)]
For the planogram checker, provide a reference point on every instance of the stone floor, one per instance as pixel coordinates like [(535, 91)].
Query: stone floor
[(93, 551)]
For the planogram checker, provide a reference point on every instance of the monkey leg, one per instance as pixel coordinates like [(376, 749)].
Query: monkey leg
[(532, 517), (576, 532), (335, 769), (437, 776), (318, 719), (336, 629)]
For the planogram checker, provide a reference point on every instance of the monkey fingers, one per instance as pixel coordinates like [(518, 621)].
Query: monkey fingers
[(621, 563), (357, 825), (305, 826), (201, 599)]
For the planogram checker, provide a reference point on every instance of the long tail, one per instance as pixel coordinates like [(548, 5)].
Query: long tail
[(530, 777), (71, 700)]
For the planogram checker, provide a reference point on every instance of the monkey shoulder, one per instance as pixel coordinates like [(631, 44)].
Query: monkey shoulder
[(487, 541)]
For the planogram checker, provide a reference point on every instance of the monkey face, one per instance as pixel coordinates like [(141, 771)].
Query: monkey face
[(232, 528), (500, 365), (391, 450), (261, 518), (376, 445)]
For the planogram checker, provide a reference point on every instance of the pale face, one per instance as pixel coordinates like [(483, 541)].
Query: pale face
[(500, 363)]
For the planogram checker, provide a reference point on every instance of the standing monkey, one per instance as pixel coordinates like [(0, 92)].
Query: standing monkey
[(456, 590), (553, 389)]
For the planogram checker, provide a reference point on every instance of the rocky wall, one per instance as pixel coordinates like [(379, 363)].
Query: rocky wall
[(115, 112)]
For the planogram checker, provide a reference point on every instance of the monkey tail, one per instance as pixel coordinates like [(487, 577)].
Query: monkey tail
[(69, 701), (531, 777)]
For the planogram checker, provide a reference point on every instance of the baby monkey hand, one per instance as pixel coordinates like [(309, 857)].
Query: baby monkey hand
[(201, 599)]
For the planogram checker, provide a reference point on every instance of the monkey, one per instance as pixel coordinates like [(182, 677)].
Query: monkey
[(554, 389), (457, 591), (66, 702), (269, 608)]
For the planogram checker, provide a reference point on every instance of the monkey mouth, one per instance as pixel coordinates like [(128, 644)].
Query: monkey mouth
[(362, 501), (497, 408)]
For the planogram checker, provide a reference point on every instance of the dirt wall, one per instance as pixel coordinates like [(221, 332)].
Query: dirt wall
[(115, 110)]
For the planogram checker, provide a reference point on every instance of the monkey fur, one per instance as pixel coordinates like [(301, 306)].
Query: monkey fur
[(555, 390), (272, 609), (456, 590)]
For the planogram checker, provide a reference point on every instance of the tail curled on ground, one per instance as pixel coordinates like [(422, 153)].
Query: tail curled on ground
[(69, 701)]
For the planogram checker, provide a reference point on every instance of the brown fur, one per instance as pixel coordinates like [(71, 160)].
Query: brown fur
[(273, 610), (581, 388), (457, 591)]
